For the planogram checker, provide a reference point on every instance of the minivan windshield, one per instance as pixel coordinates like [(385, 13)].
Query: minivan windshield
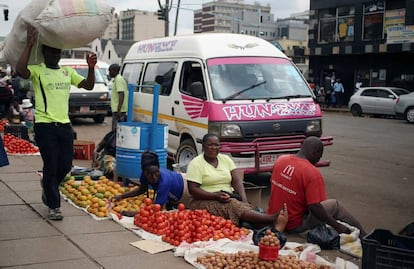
[(83, 71), (251, 78)]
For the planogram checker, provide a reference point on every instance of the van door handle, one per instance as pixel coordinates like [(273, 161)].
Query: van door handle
[(176, 102), (172, 111)]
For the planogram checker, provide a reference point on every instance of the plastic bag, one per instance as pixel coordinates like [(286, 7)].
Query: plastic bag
[(324, 236), (257, 234)]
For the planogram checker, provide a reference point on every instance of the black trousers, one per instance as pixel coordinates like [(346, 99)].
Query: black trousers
[(55, 142)]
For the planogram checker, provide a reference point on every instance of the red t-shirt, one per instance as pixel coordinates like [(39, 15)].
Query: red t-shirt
[(298, 183)]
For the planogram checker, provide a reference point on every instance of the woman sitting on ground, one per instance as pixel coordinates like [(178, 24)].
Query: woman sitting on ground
[(212, 177), (170, 187)]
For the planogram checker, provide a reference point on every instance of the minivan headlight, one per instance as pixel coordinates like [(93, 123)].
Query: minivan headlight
[(225, 129), (314, 128)]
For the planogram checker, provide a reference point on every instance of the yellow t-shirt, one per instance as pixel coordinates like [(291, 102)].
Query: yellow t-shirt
[(119, 85), (211, 179), (51, 90)]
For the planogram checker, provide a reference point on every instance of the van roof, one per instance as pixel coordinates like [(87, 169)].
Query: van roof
[(204, 46)]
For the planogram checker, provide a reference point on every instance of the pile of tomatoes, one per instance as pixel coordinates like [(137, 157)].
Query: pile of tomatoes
[(185, 225), (3, 123), (18, 145)]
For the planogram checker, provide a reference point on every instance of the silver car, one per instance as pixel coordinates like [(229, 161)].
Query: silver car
[(404, 108), (375, 100)]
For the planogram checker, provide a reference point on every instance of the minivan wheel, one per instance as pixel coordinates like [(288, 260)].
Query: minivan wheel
[(409, 115), (356, 111), (99, 119), (185, 152)]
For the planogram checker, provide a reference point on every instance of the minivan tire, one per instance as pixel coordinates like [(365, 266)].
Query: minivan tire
[(99, 119), (186, 152)]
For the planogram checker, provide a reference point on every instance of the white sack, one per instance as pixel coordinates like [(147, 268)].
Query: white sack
[(61, 24)]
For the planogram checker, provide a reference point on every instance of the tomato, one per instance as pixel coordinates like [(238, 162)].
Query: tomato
[(156, 207), (181, 207), (148, 201)]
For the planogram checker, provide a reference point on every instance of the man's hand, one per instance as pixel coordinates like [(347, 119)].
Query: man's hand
[(342, 229), (91, 59), (31, 35)]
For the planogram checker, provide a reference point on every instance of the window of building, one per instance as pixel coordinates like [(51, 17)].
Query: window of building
[(373, 20), (336, 24)]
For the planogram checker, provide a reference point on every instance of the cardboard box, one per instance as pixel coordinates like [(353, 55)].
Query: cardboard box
[(253, 193), (83, 150)]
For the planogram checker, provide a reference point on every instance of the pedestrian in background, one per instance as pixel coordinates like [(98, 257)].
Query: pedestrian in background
[(53, 131), (119, 96), (338, 91)]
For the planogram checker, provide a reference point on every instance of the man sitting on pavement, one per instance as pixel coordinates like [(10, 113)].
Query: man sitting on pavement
[(297, 182)]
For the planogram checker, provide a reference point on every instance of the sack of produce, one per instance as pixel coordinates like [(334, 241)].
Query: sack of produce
[(61, 24)]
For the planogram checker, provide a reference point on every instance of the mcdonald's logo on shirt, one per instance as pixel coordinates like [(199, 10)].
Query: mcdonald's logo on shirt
[(288, 172)]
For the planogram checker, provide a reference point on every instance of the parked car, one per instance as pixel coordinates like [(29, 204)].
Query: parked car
[(375, 100), (404, 108)]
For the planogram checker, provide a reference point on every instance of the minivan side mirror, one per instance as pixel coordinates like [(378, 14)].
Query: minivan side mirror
[(197, 90)]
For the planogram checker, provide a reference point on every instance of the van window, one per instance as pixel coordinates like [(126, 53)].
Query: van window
[(132, 72), (162, 73), (191, 72), (255, 78)]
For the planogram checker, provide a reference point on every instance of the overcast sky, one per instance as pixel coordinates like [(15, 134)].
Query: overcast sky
[(280, 8)]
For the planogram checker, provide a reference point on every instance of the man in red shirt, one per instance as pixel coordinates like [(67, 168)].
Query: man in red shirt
[(298, 183)]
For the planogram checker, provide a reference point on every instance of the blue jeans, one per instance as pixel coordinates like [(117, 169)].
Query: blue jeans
[(55, 142)]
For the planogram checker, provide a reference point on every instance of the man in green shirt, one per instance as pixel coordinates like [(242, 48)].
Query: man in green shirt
[(53, 131), (119, 97)]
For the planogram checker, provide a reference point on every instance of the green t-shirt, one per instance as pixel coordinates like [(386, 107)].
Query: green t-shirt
[(119, 85), (211, 179), (51, 91)]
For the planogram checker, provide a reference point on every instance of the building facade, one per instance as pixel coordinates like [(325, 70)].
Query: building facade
[(233, 16), (139, 25), (366, 40)]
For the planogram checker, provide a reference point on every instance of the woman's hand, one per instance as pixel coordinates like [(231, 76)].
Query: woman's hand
[(116, 198), (222, 197)]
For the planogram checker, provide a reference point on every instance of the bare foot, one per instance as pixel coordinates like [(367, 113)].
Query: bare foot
[(282, 219)]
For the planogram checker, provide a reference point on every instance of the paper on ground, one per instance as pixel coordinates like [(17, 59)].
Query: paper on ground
[(152, 246)]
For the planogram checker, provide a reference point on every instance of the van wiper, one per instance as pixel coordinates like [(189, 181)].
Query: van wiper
[(289, 97), (244, 90)]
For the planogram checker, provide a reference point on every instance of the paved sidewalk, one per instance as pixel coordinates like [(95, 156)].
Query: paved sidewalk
[(29, 240)]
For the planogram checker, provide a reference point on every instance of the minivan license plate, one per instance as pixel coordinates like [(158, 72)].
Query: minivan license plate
[(266, 159), (84, 109)]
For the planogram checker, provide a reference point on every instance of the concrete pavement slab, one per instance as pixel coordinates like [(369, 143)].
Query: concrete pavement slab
[(18, 212), (74, 225), (107, 244), (3, 187), (21, 176), (31, 196), (70, 264), (18, 186), (10, 198), (67, 209), (144, 260), (37, 250), (29, 228)]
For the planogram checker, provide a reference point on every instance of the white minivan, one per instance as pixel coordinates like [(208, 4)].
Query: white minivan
[(239, 87), (93, 104)]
